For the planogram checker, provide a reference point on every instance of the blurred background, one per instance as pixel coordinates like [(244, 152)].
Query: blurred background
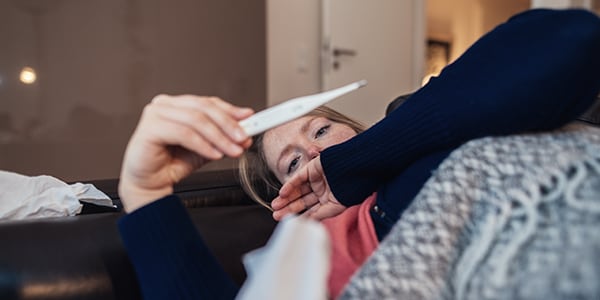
[(75, 74)]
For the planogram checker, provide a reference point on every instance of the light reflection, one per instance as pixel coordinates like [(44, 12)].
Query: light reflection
[(28, 75), (427, 77)]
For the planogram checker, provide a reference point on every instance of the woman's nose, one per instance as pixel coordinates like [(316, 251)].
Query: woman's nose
[(313, 151)]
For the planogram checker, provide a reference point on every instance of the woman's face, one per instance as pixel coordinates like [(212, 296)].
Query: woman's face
[(290, 146)]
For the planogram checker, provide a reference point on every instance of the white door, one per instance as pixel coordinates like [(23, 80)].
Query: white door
[(382, 41)]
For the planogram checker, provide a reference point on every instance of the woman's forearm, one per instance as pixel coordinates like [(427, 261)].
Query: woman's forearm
[(170, 258)]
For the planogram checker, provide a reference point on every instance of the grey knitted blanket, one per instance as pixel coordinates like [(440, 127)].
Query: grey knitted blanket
[(514, 217)]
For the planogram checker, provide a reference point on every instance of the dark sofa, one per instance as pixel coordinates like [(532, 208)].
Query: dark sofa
[(82, 257)]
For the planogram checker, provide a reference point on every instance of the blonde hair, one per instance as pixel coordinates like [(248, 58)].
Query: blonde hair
[(257, 180)]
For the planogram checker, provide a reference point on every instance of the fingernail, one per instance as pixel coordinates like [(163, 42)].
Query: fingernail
[(235, 149), (217, 154), (239, 135), (274, 205)]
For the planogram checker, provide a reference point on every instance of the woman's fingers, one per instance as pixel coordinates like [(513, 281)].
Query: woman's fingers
[(237, 112), (210, 118), (297, 198), (323, 211), (223, 113), (296, 206), (303, 190), (166, 132), (292, 194), (300, 183), (199, 127), (311, 207)]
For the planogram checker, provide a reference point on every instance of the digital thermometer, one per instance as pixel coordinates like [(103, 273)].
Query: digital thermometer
[(293, 109)]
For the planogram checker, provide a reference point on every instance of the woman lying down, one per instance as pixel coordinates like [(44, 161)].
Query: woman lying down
[(536, 72)]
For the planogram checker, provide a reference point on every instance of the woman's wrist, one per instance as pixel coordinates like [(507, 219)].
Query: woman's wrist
[(134, 197)]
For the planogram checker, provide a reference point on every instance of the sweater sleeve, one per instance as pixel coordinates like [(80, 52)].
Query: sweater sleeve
[(537, 71), (170, 258)]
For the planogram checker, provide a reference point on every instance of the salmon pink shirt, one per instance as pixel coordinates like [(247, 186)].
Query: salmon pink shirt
[(353, 239)]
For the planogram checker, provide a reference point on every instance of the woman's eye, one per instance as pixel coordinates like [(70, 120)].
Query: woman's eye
[(322, 131), (293, 165)]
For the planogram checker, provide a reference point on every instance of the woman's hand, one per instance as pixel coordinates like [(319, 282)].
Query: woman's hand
[(175, 136), (307, 190)]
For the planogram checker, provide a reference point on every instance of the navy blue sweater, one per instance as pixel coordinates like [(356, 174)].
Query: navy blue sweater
[(535, 72)]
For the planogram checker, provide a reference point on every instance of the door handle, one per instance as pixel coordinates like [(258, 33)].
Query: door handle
[(343, 52), (337, 52)]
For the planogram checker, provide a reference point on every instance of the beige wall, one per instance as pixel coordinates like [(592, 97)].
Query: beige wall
[(293, 48), (100, 61)]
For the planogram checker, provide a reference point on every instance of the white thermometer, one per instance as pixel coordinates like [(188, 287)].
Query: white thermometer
[(293, 109)]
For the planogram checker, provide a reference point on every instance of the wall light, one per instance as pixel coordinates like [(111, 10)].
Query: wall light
[(28, 75)]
